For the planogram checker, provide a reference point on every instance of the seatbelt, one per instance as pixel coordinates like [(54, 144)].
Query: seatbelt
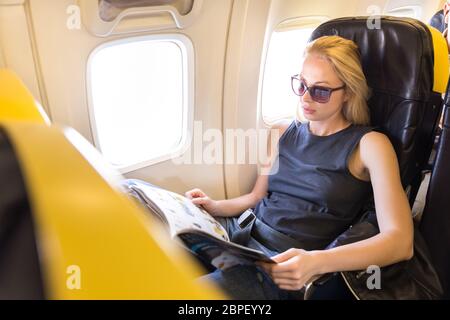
[(251, 226)]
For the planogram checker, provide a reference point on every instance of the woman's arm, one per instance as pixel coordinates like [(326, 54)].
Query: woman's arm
[(230, 207), (235, 206), (394, 243)]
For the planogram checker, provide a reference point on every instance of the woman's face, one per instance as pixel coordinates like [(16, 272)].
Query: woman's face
[(318, 71)]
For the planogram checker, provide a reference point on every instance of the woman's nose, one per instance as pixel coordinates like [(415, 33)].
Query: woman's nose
[(306, 97)]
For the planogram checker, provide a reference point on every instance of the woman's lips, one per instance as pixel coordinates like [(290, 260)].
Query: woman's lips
[(308, 111)]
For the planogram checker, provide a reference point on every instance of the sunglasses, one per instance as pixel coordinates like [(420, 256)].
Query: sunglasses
[(317, 93)]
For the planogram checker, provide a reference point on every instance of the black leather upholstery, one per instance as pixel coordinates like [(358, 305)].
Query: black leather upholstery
[(435, 225), (398, 63), (20, 274)]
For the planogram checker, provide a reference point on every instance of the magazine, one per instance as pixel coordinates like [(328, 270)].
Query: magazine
[(194, 226)]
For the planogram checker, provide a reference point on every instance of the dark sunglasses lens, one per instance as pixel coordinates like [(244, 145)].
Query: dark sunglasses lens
[(301, 88), (320, 95)]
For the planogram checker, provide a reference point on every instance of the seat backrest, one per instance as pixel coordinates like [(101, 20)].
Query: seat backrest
[(66, 232), (435, 224), (403, 71), (16, 102)]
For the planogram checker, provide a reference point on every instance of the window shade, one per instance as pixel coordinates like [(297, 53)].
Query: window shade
[(110, 9)]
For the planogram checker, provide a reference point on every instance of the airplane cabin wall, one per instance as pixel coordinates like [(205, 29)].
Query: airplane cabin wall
[(230, 39), (63, 56), (16, 46)]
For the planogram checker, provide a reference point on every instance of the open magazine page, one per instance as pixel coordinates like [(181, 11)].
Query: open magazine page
[(197, 229), (180, 213), (222, 255), (140, 196)]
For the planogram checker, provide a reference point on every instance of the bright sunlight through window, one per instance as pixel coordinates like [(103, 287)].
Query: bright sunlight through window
[(137, 99), (283, 61)]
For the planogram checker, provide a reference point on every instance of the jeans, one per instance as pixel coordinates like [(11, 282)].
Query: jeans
[(249, 283)]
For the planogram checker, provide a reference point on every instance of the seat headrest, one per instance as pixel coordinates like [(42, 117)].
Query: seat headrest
[(406, 66), (441, 62), (397, 58)]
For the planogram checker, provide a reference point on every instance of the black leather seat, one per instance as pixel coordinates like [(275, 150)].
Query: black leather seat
[(398, 63), (435, 225), (401, 67)]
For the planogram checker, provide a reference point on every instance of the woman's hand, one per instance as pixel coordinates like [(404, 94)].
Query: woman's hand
[(294, 268), (199, 198)]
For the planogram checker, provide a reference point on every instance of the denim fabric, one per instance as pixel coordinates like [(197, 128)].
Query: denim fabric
[(249, 283), (231, 226), (244, 282)]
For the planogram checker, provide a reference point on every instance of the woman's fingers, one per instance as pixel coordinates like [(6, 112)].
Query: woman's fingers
[(195, 193), (286, 255), (290, 287), (291, 276), (200, 201), (283, 267), (292, 283)]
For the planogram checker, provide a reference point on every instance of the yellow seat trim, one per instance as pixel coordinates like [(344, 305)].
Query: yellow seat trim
[(441, 63), (82, 220), (16, 102)]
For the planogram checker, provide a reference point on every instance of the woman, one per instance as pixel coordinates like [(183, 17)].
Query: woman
[(328, 166), (446, 10)]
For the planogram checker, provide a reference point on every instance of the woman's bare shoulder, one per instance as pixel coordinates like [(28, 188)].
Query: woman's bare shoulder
[(375, 146), (281, 125), (375, 139)]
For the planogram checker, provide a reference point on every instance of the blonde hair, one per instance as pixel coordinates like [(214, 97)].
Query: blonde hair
[(345, 59)]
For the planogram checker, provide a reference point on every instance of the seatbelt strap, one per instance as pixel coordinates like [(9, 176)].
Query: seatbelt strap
[(251, 226)]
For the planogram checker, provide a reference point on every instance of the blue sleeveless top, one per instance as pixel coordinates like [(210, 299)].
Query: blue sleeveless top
[(312, 196)]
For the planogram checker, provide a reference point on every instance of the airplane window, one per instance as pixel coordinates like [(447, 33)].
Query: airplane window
[(137, 99), (283, 61)]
